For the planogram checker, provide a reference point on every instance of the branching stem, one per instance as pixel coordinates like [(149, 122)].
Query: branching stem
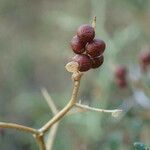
[(71, 103), (40, 141), (38, 134), (86, 107), (52, 134), (18, 127)]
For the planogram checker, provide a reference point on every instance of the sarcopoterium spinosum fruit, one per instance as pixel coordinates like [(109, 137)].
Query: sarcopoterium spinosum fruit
[(77, 45), (95, 48), (89, 50), (97, 61), (86, 33), (84, 62), (121, 76), (120, 72), (145, 57), (144, 60)]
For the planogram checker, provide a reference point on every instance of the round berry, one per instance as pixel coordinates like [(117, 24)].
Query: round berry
[(120, 72), (86, 33), (97, 61), (77, 45), (144, 57), (95, 47), (84, 62)]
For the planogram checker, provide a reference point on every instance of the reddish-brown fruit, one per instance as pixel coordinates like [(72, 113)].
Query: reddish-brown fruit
[(77, 45), (84, 62), (97, 61), (95, 48), (122, 83), (86, 33), (120, 72), (144, 59)]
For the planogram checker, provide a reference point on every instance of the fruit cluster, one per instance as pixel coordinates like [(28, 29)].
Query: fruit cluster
[(121, 76), (89, 51), (144, 60)]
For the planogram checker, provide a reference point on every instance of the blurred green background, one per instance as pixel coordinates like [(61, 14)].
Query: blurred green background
[(34, 48)]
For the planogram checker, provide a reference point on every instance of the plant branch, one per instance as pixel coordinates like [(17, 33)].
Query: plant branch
[(114, 112), (18, 127), (94, 23), (60, 114), (52, 134), (53, 123), (49, 101), (40, 140)]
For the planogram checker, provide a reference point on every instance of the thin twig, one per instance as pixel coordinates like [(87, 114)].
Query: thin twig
[(59, 115), (94, 23), (114, 112), (52, 134), (49, 101), (18, 127)]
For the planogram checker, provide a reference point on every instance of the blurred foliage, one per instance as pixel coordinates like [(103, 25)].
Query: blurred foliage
[(140, 146), (34, 48)]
